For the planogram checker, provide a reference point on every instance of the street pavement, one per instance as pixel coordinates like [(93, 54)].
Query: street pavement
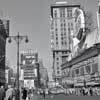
[(64, 97)]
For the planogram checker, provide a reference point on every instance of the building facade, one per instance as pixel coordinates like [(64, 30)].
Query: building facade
[(62, 27), (4, 33), (84, 67), (28, 69)]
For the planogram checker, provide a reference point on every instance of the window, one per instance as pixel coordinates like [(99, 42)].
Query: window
[(62, 43), (64, 24), (56, 34), (56, 52), (88, 69), (61, 24), (56, 29), (65, 43), (82, 71), (57, 58), (57, 68), (62, 38), (55, 13), (95, 68), (69, 12), (77, 71), (58, 72), (56, 42), (62, 12), (65, 33), (56, 38), (73, 74), (64, 29), (57, 63), (61, 34)]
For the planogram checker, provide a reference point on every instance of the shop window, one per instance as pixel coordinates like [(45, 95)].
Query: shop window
[(95, 68), (82, 71), (77, 71), (88, 69)]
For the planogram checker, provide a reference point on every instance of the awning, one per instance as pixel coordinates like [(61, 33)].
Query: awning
[(91, 83), (79, 84)]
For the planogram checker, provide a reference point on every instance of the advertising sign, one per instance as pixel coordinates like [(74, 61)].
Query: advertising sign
[(28, 62), (30, 73), (27, 59), (80, 23)]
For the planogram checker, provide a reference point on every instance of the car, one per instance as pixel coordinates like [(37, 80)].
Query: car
[(57, 90)]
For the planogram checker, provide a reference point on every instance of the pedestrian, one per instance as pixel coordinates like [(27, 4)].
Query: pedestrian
[(44, 93), (24, 94), (9, 93), (91, 92), (2, 93)]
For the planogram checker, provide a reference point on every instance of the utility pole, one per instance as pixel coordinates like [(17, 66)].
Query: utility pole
[(18, 40)]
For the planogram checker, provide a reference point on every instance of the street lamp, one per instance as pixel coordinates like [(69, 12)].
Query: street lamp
[(18, 40)]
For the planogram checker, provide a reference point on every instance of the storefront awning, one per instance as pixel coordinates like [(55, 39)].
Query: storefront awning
[(79, 84)]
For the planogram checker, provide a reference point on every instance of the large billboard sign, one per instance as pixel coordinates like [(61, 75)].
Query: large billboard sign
[(30, 73), (28, 64), (79, 23), (27, 59)]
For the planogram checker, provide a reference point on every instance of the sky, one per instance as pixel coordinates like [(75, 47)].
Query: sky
[(32, 18)]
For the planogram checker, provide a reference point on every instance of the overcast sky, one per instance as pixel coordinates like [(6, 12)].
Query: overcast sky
[(32, 18)]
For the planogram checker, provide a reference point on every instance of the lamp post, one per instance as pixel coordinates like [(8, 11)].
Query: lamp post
[(18, 40)]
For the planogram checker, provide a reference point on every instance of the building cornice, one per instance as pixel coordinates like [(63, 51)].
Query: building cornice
[(86, 54)]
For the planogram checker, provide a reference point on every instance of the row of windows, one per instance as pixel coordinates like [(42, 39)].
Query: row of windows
[(62, 12), (89, 69), (62, 42)]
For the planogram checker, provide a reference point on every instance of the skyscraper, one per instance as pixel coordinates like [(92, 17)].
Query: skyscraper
[(62, 26)]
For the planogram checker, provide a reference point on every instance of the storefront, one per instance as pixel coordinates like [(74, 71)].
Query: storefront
[(85, 68)]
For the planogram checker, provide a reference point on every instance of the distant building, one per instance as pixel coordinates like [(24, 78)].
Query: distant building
[(43, 75), (9, 76), (28, 69), (4, 33), (62, 28)]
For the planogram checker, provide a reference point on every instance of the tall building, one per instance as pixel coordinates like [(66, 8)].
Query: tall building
[(62, 27), (4, 33), (84, 68), (43, 75)]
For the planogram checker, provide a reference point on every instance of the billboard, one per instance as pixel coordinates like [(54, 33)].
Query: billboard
[(30, 73), (28, 65), (27, 59), (79, 23)]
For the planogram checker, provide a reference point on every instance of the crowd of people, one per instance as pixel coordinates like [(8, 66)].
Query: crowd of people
[(83, 91), (12, 93)]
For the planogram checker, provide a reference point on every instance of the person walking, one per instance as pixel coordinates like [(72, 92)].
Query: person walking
[(44, 93), (9, 93), (24, 94), (2, 93)]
